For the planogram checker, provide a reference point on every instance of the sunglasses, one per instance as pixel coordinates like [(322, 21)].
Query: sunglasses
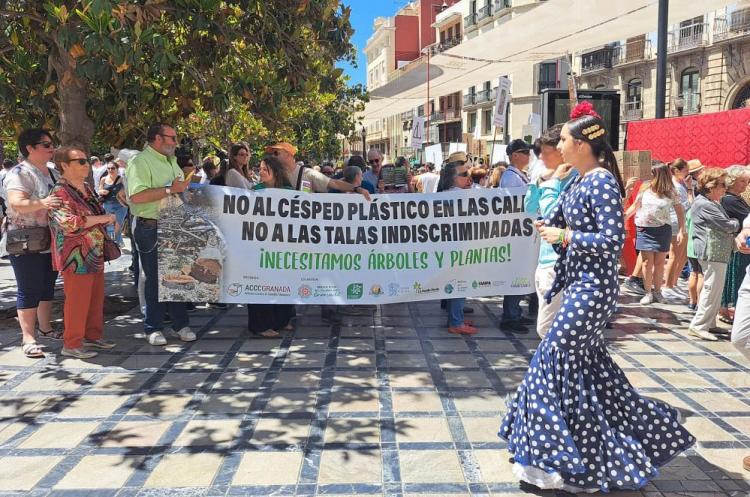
[(81, 162), (172, 137), (524, 152), (45, 144), (111, 169), (464, 174), (373, 162)]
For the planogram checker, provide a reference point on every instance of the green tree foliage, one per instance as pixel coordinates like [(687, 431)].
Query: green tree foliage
[(99, 71)]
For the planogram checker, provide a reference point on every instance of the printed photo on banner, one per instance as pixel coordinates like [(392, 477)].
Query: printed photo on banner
[(220, 244)]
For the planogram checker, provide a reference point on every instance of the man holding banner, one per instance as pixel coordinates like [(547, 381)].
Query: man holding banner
[(152, 176)]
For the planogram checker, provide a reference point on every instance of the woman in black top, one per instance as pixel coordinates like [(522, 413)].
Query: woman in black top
[(738, 178)]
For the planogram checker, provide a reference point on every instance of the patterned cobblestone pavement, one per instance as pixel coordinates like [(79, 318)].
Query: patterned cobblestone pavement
[(381, 404)]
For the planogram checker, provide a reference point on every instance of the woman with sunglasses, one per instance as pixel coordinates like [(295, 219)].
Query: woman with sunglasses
[(455, 176), (28, 186), (112, 196), (78, 253), (713, 233)]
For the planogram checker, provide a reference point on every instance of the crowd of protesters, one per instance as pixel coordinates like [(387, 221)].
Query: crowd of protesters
[(685, 220)]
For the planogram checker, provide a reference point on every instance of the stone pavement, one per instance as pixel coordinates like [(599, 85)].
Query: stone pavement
[(388, 404)]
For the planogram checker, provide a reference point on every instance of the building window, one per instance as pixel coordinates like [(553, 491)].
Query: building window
[(487, 122), (742, 100), (635, 91), (472, 122), (547, 75), (689, 100)]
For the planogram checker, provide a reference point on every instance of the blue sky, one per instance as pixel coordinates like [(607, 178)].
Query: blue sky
[(364, 13)]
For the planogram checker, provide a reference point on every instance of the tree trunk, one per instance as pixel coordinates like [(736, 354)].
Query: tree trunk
[(76, 128)]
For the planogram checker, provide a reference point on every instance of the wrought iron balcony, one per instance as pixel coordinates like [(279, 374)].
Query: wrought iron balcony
[(597, 60), (470, 99), (484, 12), (688, 37), (484, 96), (470, 20), (544, 85), (632, 51), (633, 111), (444, 45), (732, 26), (445, 115)]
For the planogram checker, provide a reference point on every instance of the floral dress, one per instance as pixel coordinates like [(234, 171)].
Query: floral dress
[(575, 422)]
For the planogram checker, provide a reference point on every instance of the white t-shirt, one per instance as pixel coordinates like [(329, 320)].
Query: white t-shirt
[(26, 178), (235, 179), (654, 210), (99, 172), (429, 182), (683, 200)]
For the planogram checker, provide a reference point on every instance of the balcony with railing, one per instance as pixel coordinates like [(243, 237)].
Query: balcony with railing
[(633, 111), (470, 99), (632, 51), (484, 96), (732, 26), (688, 38), (544, 85), (444, 45), (597, 60), (407, 116), (470, 21), (445, 116), (485, 12)]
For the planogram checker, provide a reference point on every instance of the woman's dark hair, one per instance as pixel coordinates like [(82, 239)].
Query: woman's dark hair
[(448, 176), (30, 137), (226, 165), (357, 160), (677, 165), (277, 169), (537, 146), (592, 130)]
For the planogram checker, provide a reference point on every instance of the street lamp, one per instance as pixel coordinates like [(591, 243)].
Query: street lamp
[(364, 137)]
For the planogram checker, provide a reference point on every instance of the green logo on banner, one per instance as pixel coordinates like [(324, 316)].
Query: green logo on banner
[(354, 291)]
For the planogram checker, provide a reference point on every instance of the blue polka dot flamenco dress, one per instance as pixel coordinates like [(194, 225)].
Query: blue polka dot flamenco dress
[(575, 422)]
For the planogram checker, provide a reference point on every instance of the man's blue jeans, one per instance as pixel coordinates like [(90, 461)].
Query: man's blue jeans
[(146, 241), (511, 308), (455, 312)]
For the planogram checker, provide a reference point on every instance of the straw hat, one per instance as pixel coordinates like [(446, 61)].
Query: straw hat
[(694, 166)]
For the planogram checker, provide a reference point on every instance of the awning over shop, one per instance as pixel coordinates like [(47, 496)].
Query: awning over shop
[(553, 29)]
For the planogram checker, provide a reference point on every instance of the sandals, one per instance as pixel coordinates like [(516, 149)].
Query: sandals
[(726, 319), (33, 350), (52, 334)]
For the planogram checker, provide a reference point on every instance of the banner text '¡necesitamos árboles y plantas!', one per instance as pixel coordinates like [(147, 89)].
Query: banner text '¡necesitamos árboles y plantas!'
[(305, 208), (372, 235)]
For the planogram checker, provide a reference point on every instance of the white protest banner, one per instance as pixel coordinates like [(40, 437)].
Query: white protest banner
[(456, 147), (219, 244), (498, 153), (434, 154), (417, 132), (501, 102)]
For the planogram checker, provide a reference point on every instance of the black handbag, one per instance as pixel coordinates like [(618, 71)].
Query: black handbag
[(24, 241)]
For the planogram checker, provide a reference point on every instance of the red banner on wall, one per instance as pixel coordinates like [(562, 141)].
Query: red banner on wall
[(716, 139)]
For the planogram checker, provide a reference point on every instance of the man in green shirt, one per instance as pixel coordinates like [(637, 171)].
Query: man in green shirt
[(151, 176)]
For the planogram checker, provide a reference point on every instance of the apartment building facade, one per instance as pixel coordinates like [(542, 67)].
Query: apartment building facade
[(467, 116), (708, 67)]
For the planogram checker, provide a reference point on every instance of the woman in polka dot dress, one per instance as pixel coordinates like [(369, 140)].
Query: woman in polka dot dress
[(576, 423)]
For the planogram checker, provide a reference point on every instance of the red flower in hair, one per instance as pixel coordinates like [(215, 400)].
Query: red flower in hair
[(584, 108)]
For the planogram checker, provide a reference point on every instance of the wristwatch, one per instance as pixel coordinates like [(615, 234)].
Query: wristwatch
[(168, 190)]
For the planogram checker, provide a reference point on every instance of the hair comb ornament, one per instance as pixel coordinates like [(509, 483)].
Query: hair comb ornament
[(584, 108), (592, 132)]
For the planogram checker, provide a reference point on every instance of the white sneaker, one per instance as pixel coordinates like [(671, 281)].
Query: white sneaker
[(647, 299), (78, 353), (185, 334), (704, 335), (658, 297), (672, 296), (156, 338)]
